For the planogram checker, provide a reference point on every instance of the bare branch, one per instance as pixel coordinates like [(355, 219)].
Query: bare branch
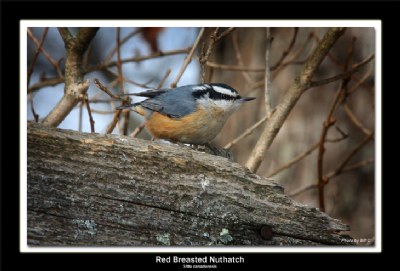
[(54, 63), (358, 165), (167, 73), (205, 54), (125, 116), (139, 59), (343, 75), (267, 75), (293, 59), (32, 65), (233, 67), (119, 65), (144, 85), (239, 56), (138, 130), (287, 51), (37, 52), (75, 86), (246, 133), (300, 84), (302, 190), (45, 83), (188, 59), (111, 126), (103, 66), (342, 165), (355, 120), (335, 174), (91, 120), (125, 39), (105, 89), (330, 121), (225, 33), (303, 155), (361, 82)]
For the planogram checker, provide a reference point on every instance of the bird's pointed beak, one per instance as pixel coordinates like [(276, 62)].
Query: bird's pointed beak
[(246, 99)]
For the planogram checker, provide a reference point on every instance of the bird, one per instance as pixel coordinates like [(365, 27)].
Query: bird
[(190, 114)]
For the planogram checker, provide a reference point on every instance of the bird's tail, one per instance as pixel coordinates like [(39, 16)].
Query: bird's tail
[(126, 106), (135, 107)]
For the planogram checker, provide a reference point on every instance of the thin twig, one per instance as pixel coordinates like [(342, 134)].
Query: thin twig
[(355, 120), (361, 81), (341, 166), (111, 126), (330, 121), (124, 99), (304, 189), (205, 54), (125, 116), (225, 33), (103, 112), (37, 52), (85, 62), (139, 59), (103, 66), (233, 67), (55, 64), (45, 83), (303, 155), (119, 65), (167, 73), (332, 175), (287, 51), (344, 75), (267, 75), (91, 120), (188, 59), (125, 122), (30, 69), (358, 165), (246, 133), (105, 89), (125, 39), (276, 70), (144, 85), (80, 115), (138, 130), (239, 56), (35, 115), (94, 101)]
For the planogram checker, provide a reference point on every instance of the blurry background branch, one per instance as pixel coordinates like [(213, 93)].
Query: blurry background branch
[(59, 80), (300, 84)]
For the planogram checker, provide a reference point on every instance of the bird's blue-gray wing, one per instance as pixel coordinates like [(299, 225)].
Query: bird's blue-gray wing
[(174, 103)]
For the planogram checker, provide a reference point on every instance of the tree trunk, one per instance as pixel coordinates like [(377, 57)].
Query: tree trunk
[(104, 190)]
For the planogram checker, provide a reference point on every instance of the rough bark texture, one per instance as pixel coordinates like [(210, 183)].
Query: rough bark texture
[(94, 190)]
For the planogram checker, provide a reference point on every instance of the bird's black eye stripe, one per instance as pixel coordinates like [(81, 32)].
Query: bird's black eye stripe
[(213, 95)]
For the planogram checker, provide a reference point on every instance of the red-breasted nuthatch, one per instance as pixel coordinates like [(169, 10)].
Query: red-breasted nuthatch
[(192, 114)]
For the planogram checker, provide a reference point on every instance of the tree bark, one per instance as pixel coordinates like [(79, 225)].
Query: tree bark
[(104, 190)]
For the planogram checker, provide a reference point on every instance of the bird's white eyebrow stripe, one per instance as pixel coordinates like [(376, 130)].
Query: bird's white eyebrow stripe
[(224, 91), (200, 88)]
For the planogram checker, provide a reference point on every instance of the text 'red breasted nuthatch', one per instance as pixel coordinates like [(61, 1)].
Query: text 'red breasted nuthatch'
[(192, 114)]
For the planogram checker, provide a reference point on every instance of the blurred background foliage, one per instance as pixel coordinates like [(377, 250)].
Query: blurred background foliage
[(349, 196)]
